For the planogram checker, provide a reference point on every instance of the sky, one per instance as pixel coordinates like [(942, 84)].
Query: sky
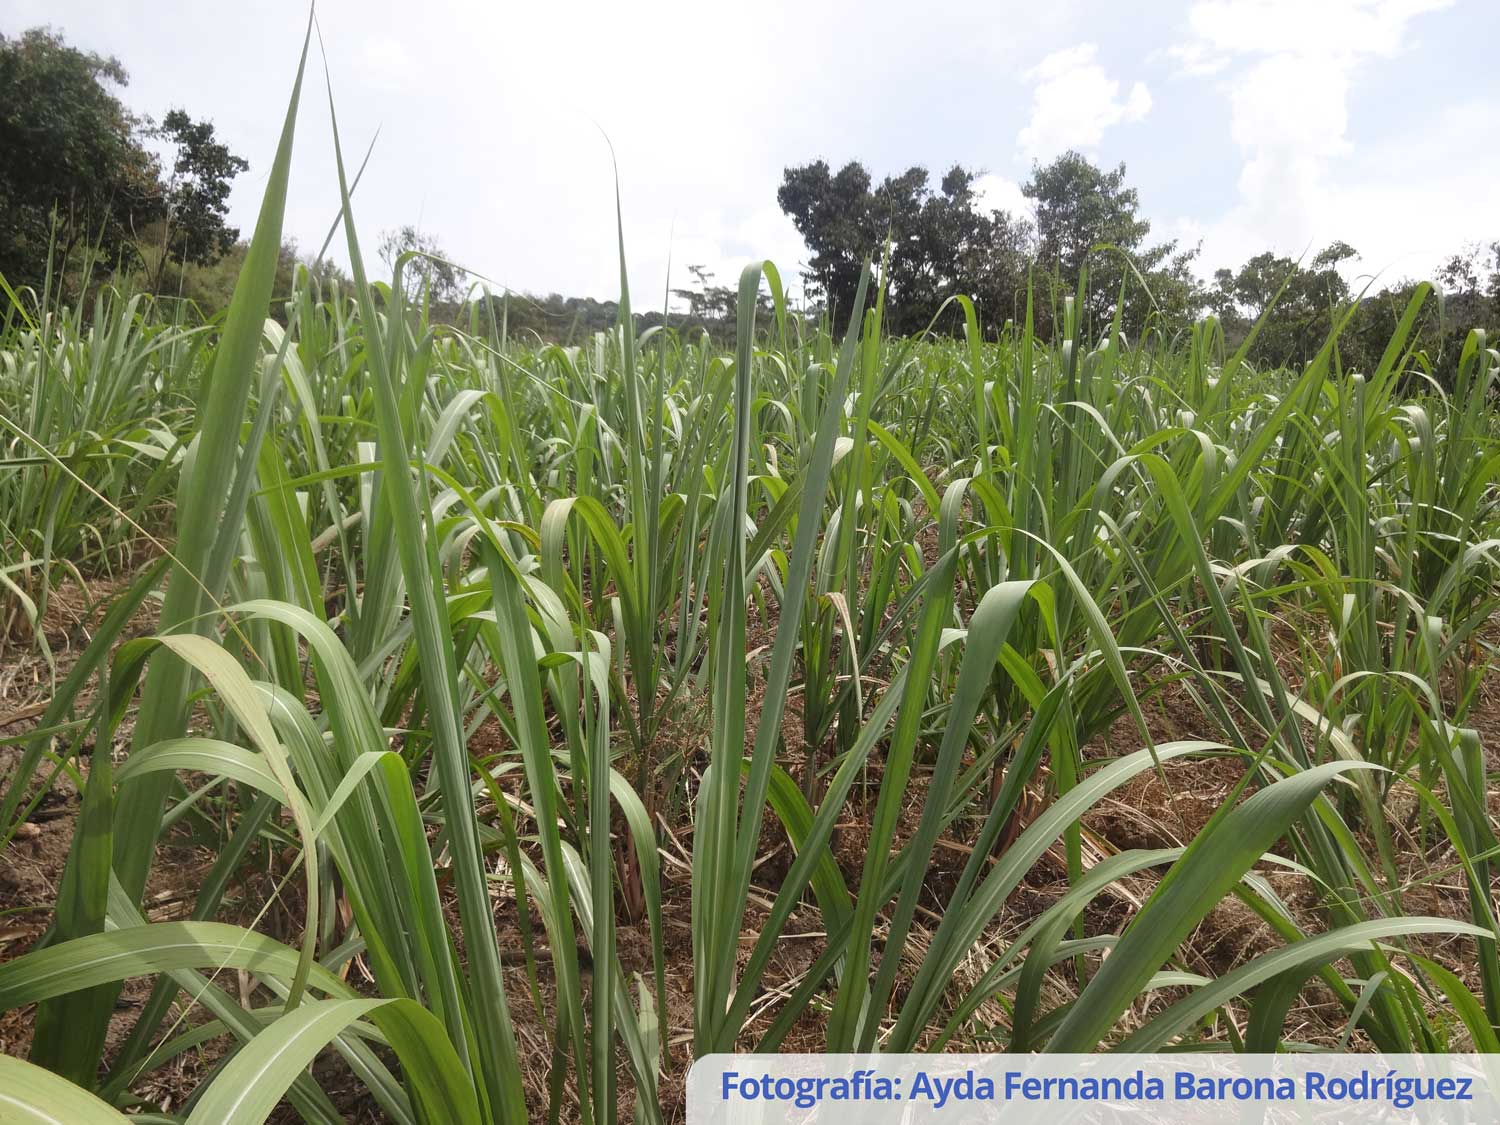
[(1245, 125)]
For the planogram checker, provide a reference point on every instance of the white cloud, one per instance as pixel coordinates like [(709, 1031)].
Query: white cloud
[(1194, 59), (1326, 29), (1289, 69), (1380, 198), (996, 193), (1075, 101), (386, 64)]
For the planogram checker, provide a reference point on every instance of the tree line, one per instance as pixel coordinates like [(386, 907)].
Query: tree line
[(84, 180), (1085, 226)]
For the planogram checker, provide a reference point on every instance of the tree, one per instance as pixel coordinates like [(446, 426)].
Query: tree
[(833, 214), (706, 301), (945, 242), (430, 269), (1471, 282), (1306, 300), (1298, 306), (942, 242), (69, 149), (196, 193), (210, 286), (1079, 207)]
